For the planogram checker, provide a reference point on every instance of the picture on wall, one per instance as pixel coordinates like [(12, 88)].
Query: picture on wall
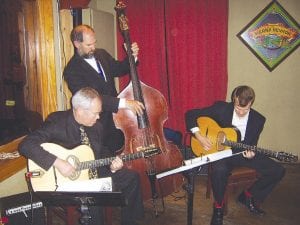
[(272, 35)]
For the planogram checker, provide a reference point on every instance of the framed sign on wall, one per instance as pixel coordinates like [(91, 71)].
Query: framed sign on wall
[(272, 35)]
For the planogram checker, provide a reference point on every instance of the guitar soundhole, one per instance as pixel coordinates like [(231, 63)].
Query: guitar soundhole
[(74, 161)]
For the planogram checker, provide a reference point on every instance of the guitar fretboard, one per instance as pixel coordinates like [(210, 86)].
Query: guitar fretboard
[(107, 161), (266, 152), (281, 156)]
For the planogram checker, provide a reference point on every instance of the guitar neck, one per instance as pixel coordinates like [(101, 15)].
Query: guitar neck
[(107, 161), (267, 152)]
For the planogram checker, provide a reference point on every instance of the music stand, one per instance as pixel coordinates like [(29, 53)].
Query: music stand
[(189, 170), (83, 200)]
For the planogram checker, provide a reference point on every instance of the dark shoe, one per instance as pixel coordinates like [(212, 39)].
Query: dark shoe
[(217, 218), (251, 204)]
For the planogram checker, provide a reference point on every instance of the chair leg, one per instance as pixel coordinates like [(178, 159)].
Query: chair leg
[(208, 184), (108, 215), (71, 215), (68, 214), (49, 220), (225, 203), (187, 137)]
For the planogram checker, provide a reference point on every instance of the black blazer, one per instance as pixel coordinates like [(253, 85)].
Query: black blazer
[(79, 74), (222, 113), (61, 128)]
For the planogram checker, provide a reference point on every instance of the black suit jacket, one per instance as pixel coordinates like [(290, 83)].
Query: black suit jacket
[(222, 113), (79, 74), (61, 128)]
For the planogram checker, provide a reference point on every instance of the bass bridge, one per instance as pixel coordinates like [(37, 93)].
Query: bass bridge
[(149, 150)]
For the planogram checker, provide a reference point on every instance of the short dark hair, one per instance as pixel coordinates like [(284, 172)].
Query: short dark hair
[(244, 94), (77, 32)]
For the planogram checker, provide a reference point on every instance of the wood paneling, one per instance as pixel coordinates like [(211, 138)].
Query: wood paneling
[(12, 75), (9, 167), (40, 93), (67, 49), (45, 57), (40, 90), (32, 89)]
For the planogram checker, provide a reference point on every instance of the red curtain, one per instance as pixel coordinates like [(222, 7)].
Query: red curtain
[(183, 51)]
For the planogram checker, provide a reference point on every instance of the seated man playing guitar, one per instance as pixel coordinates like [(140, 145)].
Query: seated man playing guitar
[(250, 123), (81, 126)]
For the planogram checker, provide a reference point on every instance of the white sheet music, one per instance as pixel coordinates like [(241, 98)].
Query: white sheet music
[(199, 161), (210, 157), (93, 185)]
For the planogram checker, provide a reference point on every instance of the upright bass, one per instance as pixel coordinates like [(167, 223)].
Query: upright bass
[(146, 131)]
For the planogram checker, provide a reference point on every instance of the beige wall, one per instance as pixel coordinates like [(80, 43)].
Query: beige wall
[(14, 185), (277, 96), (103, 24)]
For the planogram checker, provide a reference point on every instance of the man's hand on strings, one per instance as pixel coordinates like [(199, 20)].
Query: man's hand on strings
[(135, 106), (116, 164), (204, 141), (248, 154), (64, 167)]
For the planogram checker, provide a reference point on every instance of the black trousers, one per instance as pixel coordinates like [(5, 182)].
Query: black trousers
[(270, 172), (127, 181)]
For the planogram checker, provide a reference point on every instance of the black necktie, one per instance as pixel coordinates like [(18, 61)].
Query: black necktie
[(84, 139)]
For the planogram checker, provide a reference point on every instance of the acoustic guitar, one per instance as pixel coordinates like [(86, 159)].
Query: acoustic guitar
[(224, 138), (81, 157)]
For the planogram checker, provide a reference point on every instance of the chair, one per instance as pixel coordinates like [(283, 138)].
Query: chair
[(188, 154), (240, 178), (70, 215)]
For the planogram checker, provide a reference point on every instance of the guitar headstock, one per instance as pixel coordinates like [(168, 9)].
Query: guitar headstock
[(286, 157)]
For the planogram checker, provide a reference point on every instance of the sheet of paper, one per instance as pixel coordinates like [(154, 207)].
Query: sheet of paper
[(210, 157), (199, 161), (94, 185)]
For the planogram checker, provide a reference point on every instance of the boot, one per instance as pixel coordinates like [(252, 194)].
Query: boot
[(251, 204), (217, 218)]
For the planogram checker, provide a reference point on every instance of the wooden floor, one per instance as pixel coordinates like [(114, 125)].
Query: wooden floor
[(282, 206)]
